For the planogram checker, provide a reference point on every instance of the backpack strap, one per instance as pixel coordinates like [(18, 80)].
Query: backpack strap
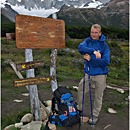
[(46, 127), (53, 105), (77, 114)]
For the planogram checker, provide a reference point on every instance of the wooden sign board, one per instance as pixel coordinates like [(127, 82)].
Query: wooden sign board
[(29, 65), (31, 81), (37, 32)]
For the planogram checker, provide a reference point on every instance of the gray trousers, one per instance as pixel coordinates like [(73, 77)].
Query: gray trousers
[(99, 82)]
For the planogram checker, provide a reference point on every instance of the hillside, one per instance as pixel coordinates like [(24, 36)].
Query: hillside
[(5, 19), (113, 14)]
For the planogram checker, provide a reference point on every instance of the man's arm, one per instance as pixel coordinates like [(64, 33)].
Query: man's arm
[(83, 49), (88, 57), (103, 61)]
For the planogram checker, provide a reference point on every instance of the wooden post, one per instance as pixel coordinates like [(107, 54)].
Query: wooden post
[(34, 100), (53, 65)]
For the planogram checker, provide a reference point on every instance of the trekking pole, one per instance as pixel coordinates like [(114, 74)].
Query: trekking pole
[(83, 90), (90, 95)]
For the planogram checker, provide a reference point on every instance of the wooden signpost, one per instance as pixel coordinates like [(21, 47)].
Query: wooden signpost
[(37, 32), (29, 65), (31, 81), (42, 33)]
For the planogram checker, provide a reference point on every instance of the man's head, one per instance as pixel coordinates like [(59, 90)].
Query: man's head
[(95, 31)]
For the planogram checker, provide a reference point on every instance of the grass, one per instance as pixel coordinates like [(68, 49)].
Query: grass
[(69, 66), (117, 102), (4, 99), (13, 118)]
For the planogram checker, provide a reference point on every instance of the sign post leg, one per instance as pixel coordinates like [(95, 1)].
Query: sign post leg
[(34, 100), (53, 69), (53, 65)]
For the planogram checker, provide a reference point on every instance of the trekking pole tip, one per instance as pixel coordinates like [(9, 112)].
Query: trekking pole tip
[(82, 122), (93, 126)]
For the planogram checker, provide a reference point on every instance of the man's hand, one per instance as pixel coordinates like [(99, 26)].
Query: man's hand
[(98, 54), (87, 57)]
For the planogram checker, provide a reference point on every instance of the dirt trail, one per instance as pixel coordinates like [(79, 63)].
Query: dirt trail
[(106, 121)]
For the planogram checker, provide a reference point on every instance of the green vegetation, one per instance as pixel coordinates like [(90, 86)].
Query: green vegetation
[(69, 63), (7, 28), (117, 102), (13, 118), (80, 32)]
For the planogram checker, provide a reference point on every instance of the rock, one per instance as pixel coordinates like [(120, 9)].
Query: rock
[(85, 119), (27, 118), (48, 102), (34, 125), (18, 125), (127, 98), (18, 100), (25, 94), (120, 90), (51, 126), (8, 127), (107, 126), (110, 110), (49, 109), (75, 87)]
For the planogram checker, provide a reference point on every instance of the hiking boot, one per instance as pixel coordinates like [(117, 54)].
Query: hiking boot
[(94, 120)]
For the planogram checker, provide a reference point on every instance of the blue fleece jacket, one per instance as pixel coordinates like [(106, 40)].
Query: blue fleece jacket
[(96, 66)]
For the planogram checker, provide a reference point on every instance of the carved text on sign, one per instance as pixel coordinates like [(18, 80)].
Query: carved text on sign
[(31, 81), (29, 65)]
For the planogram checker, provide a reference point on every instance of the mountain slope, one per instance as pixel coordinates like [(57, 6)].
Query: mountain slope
[(9, 13), (111, 15), (43, 8), (48, 4), (4, 19)]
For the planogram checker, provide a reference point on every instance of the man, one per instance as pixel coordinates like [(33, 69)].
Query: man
[(96, 52)]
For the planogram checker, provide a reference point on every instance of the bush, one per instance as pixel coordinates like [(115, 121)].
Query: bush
[(84, 31), (73, 43), (77, 31), (115, 50), (7, 28)]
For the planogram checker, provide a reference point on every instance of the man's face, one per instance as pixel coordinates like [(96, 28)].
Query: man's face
[(95, 33)]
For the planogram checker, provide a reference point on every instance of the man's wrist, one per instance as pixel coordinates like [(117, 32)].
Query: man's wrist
[(94, 52)]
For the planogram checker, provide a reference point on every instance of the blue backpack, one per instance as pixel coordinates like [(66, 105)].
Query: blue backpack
[(65, 109)]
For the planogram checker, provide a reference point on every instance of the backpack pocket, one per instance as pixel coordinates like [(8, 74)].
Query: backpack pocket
[(71, 120), (54, 119)]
